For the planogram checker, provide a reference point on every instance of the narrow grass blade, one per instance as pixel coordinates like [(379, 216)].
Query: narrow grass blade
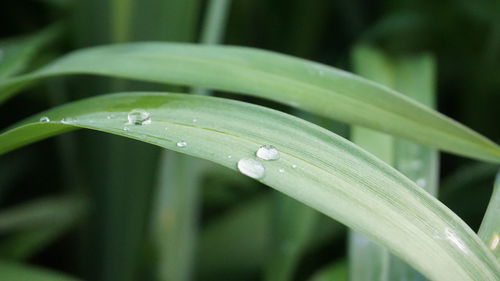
[(221, 239), (334, 272), (419, 163), (175, 218), (295, 225), (176, 210), (331, 175), (368, 260), (41, 212), (16, 54), (25, 244), (20, 272), (292, 225), (30, 227), (490, 227), (310, 86)]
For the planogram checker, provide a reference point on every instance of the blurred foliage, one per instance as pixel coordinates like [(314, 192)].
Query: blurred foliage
[(463, 35)]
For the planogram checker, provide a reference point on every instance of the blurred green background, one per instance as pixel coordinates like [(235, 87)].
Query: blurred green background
[(102, 229)]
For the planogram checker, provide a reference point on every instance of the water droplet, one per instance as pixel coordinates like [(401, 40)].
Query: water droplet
[(281, 170), (109, 116), (126, 128), (421, 182), (139, 117), (44, 119), (494, 242), (230, 156), (251, 167), (268, 152), (195, 120), (294, 166), (181, 143)]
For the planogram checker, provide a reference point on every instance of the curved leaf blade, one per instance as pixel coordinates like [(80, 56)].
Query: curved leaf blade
[(20, 272), (331, 174), (307, 85)]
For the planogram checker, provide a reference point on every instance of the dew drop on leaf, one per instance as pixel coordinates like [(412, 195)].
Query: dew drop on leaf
[(251, 167), (139, 117), (181, 143), (268, 152), (44, 119)]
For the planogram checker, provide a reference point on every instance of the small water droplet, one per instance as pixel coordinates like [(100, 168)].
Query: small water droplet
[(126, 128), (139, 117), (44, 119), (181, 143), (195, 120), (166, 128), (281, 170), (421, 182), (268, 152), (294, 166), (251, 167), (230, 156), (109, 116)]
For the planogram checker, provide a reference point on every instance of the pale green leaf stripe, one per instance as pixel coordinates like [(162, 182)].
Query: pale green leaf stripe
[(19, 272), (490, 227), (332, 175), (307, 85)]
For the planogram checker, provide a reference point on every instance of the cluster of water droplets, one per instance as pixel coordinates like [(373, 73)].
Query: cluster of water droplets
[(253, 167)]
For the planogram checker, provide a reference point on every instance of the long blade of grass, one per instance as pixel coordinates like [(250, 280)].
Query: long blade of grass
[(20, 272), (331, 175), (490, 227), (333, 272), (175, 218), (294, 224), (41, 212), (368, 260), (17, 53), (31, 226), (314, 87), (419, 163)]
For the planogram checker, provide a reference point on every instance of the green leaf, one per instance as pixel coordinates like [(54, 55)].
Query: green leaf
[(307, 85), (20, 272), (368, 260), (333, 272), (17, 53), (41, 212), (331, 174), (29, 227), (490, 227)]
